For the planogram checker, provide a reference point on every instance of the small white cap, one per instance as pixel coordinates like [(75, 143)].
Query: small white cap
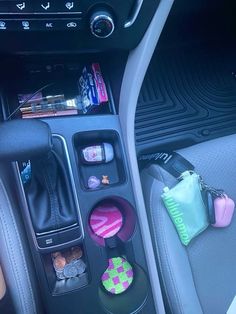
[(109, 152)]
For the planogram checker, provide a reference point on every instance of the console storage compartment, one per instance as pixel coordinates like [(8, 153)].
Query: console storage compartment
[(55, 87), (85, 279), (122, 240), (114, 169)]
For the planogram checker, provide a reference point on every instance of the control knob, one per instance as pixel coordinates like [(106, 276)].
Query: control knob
[(102, 24)]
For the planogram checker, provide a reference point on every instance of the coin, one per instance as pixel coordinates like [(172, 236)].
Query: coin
[(59, 262), (60, 274), (55, 254), (80, 266), (68, 256), (70, 270), (77, 252)]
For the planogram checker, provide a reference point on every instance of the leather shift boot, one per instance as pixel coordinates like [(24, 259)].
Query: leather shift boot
[(49, 196)]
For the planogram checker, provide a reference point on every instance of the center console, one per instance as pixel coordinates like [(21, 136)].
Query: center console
[(77, 199), (82, 218)]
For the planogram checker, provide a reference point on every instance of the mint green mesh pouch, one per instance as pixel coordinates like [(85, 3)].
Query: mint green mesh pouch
[(186, 208)]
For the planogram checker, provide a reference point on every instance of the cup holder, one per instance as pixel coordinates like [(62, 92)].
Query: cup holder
[(111, 218), (124, 286), (134, 292)]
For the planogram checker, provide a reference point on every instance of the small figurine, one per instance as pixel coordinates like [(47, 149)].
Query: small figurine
[(105, 180)]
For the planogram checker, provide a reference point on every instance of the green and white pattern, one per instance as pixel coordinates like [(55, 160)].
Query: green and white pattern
[(118, 276)]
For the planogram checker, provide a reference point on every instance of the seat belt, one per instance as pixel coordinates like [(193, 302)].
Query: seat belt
[(175, 164), (172, 162)]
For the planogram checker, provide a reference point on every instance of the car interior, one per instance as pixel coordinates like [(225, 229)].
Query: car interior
[(117, 157)]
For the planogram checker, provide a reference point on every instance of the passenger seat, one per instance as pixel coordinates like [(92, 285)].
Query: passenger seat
[(199, 278)]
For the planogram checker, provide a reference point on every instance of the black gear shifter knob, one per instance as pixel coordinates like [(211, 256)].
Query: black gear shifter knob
[(24, 139)]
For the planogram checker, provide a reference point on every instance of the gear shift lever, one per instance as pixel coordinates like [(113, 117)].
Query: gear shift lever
[(24, 139), (48, 192)]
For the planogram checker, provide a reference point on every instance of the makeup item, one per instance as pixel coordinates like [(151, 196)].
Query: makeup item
[(118, 276), (68, 112), (97, 154), (100, 84), (87, 89), (106, 220)]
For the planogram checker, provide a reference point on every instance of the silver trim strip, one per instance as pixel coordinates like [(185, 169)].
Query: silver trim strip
[(137, 9), (56, 230)]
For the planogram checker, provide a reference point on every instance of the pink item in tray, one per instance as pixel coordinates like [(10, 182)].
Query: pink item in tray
[(100, 84), (224, 210), (106, 220)]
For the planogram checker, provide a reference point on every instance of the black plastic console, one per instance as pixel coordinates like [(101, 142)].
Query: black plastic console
[(77, 293), (85, 293)]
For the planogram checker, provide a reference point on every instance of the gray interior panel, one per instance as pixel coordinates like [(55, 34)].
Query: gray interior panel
[(136, 67)]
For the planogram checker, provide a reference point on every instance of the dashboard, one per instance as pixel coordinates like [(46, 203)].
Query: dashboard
[(30, 26)]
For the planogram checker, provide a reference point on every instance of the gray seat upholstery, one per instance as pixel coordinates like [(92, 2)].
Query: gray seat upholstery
[(200, 278), (15, 257)]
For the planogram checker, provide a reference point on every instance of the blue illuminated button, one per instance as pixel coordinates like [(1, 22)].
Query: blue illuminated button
[(3, 25)]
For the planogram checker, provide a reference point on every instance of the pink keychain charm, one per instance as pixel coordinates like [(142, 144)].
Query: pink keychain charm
[(224, 210)]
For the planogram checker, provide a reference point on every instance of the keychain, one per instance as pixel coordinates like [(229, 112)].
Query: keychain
[(220, 206)]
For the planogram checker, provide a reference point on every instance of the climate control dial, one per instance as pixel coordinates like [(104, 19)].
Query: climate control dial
[(102, 24)]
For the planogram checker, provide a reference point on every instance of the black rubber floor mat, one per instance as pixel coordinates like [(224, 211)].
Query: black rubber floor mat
[(188, 96)]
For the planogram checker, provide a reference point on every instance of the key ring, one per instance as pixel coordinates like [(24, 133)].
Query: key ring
[(215, 192)]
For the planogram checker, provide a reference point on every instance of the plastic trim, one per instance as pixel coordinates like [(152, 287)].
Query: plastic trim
[(135, 71), (137, 9), (56, 230)]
